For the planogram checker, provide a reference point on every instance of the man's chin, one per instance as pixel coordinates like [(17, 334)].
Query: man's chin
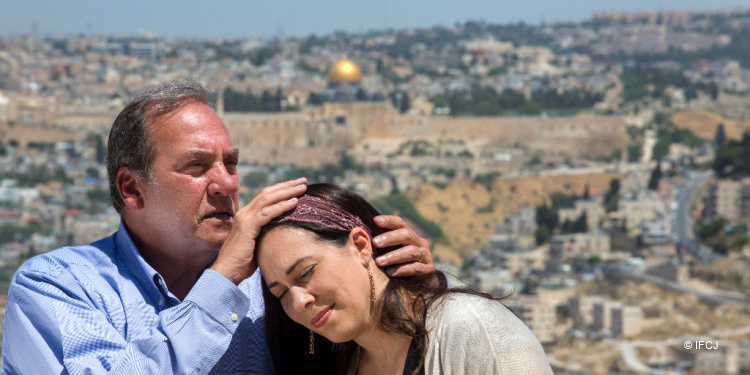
[(215, 234)]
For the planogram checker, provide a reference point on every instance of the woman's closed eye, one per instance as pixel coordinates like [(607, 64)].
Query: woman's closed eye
[(307, 273), (303, 278), (282, 294)]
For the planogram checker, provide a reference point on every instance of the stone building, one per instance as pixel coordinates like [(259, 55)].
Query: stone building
[(581, 309), (594, 212), (627, 321), (728, 199), (540, 316), (602, 314), (721, 358), (569, 248)]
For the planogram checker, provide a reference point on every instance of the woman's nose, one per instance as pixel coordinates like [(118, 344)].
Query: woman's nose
[(302, 300)]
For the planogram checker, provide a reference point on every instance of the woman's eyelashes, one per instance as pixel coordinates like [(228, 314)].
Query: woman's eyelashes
[(282, 294), (307, 273), (303, 278)]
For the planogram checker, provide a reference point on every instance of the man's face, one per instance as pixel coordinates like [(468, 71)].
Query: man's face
[(191, 204)]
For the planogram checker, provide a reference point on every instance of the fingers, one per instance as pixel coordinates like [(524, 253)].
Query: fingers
[(414, 256), (390, 222), (236, 259), (402, 236), (409, 269), (280, 191), (406, 254), (272, 201)]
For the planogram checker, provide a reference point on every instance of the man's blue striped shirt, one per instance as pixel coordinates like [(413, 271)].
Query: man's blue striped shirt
[(101, 308)]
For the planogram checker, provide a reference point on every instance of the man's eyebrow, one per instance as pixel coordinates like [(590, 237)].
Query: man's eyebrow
[(194, 154), (289, 270), (200, 154)]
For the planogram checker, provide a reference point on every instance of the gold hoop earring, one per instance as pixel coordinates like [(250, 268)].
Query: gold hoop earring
[(312, 342), (372, 286)]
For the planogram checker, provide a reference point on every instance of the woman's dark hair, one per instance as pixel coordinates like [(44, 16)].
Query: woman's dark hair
[(289, 342)]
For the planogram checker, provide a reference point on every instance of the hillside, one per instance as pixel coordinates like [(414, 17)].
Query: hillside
[(466, 211), (704, 124)]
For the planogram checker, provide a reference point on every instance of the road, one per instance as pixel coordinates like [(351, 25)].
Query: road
[(683, 221), (710, 295)]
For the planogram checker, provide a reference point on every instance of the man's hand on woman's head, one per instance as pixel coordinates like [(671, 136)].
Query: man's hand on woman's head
[(414, 256), (236, 259)]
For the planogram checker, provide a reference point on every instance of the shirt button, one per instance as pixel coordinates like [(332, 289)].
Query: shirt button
[(161, 302), (158, 281), (234, 317)]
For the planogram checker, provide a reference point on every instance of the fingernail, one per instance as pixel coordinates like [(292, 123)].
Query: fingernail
[(379, 219), (292, 200), (380, 260), (378, 241)]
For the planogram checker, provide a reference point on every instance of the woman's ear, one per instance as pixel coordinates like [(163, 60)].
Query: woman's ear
[(361, 245), (129, 188)]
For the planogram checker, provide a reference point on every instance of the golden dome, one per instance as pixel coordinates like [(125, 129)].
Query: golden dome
[(344, 70)]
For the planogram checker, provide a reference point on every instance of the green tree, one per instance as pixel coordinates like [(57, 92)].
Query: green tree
[(440, 101), (255, 179), (733, 160), (653, 181), (497, 70), (530, 108), (277, 100), (315, 99), (612, 196), (268, 102), (720, 140), (635, 152), (542, 234), (405, 104), (361, 95), (579, 225), (547, 216), (98, 195), (720, 236), (661, 149), (400, 204), (96, 141)]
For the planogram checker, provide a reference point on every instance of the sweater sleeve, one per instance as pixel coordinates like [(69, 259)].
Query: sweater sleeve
[(474, 335)]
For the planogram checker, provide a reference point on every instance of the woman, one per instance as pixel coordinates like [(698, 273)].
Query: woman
[(318, 269)]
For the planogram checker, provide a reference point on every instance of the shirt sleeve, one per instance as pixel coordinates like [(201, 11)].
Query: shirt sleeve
[(53, 326), (476, 335)]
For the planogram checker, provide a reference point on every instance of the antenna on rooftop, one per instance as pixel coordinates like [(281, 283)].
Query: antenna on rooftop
[(279, 32)]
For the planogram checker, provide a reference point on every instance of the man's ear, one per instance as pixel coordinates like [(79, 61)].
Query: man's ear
[(360, 244), (130, 188)]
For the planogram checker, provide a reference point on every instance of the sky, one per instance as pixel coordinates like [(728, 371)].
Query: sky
[(236, 19)]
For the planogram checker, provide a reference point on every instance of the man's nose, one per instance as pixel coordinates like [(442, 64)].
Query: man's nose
[(223, 182)]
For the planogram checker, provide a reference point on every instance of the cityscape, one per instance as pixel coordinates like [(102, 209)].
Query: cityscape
[(595, 174)]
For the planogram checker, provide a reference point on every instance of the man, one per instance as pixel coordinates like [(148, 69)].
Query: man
[(174, 290)]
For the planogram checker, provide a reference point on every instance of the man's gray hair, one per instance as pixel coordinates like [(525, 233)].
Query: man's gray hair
[(130, 143)]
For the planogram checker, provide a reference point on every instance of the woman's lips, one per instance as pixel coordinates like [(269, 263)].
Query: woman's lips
[(322, 317)]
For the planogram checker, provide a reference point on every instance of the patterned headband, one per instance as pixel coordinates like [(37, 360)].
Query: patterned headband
[(319, 211)]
